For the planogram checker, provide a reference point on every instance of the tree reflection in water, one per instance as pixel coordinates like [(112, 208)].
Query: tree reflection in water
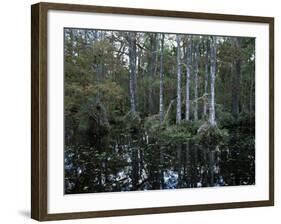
[(135, 161)]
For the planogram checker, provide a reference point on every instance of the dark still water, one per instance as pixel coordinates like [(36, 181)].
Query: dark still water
[(124, 163)]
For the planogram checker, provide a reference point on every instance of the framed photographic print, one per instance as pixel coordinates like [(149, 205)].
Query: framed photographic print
[(139, 111)]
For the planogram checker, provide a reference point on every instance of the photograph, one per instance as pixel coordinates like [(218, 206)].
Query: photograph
[(156, 111)]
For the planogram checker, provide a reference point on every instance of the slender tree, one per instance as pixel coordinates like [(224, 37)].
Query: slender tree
[(196, 70), (236, 77), (188, 71), (213, 58), (152, 68), (161, 101), (132, 65), (206, 77), (178, 114), (161, 109)]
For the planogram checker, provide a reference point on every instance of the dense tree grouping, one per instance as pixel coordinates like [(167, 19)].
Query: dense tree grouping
[(157, 110)]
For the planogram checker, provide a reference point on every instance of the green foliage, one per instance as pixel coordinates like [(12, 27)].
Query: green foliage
[(176, 134), (132, 122), (225, 118), (153, 125), (210, 137), (111, 94), (170, 134)]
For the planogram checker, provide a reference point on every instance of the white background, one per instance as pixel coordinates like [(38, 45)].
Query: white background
[(15, 111)]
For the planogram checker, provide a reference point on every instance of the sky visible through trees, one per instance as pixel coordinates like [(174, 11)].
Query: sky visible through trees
[(148, 111)]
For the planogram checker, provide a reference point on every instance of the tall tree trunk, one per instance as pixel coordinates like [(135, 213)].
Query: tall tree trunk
[(178, 115), (161, 101), (99, 63), (161, 112), (139, 53), (152, 68), (206, 77), (133, 78), (236, 78), (196, 57), (213, 52), (188, 71)]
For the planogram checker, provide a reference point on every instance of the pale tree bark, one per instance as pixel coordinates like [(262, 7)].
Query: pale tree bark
[(161, 109), (188, 71), (132, 66), (133, 102), (206, 77), (187, 103), (161, 101), (178, 113), (139, 53), (213, 58), (196, 70)]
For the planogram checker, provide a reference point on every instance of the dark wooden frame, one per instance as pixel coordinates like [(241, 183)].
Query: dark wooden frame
[(39, 110)]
